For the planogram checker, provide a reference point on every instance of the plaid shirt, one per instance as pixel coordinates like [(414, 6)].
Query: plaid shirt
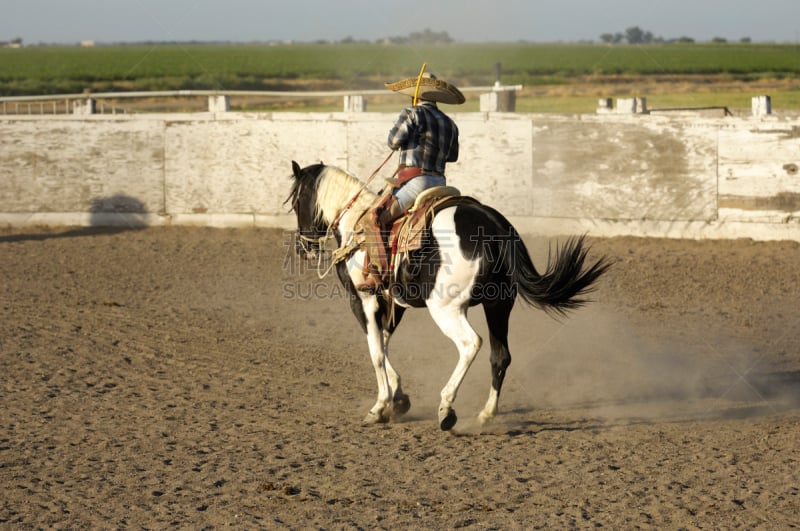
[(426, 137)]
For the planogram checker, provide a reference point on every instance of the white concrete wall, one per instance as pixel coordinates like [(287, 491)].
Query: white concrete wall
[(604, 174)]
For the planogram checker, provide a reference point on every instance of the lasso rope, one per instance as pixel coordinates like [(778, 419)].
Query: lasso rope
[(341, 253)]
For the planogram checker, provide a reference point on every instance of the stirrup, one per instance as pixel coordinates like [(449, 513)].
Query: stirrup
[(372, 284)]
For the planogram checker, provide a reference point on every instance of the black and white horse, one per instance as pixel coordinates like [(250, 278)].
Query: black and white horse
[(471, 255)]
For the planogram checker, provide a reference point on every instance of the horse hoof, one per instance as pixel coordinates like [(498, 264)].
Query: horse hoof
[(447, 418), (375, 418), (401, 405)]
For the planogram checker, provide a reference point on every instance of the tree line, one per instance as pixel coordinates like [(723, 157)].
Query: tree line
[(636, 35), (632, 35)]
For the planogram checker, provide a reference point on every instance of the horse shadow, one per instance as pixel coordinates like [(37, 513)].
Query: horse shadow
[(107, 215)]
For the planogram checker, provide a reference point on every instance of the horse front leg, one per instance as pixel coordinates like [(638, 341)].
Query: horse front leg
[(382, 410), (366, 310)]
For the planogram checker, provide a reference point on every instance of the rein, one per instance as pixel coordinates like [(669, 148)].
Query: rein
[(358, 193), (321, 242), (342, 252)]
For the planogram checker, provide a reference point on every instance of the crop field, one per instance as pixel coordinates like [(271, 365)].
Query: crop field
[(559, 77)]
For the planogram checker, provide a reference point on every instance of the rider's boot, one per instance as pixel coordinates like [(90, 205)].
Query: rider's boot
[(377, 274)]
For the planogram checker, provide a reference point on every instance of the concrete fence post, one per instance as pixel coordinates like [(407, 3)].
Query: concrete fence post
[(490, 102), (762, 106), (508, 100), (631, 105), (87, 106), (501, 99), (605, 106), (355, 103), (219, 104)]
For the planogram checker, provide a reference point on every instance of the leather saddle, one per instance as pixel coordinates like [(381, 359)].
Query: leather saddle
[(406, 232)]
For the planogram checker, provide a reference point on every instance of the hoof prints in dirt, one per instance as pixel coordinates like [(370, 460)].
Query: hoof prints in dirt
[(163, 377)]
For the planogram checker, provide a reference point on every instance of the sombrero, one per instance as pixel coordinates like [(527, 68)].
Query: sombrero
[(430, 89)]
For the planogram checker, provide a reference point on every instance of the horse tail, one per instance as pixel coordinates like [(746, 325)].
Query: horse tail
[(565, 281)]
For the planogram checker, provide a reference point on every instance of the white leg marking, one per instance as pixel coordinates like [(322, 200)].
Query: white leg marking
[(448, 307), (454, 324), (377, 353), (490, 409)]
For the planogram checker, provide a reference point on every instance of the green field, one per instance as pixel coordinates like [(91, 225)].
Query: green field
[(591, 69)]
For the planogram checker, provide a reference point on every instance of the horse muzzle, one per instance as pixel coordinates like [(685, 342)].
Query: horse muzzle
[(307, 248)]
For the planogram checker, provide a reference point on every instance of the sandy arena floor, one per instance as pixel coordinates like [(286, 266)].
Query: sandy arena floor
[(204, 378)]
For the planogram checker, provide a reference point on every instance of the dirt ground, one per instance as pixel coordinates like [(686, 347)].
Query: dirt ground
[(204, 378)]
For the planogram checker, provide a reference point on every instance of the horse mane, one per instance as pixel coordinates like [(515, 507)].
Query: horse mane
[(335, 189)]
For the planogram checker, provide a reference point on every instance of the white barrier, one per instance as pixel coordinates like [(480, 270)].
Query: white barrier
[(607, 174)]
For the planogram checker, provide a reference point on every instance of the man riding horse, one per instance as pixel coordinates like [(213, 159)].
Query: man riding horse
[(427, 139)]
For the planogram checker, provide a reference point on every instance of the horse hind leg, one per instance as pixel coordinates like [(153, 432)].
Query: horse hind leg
[(454, 324), (500, 358), (401, 403)]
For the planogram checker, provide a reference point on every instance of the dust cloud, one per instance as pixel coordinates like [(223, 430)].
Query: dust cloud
[(596, 361)]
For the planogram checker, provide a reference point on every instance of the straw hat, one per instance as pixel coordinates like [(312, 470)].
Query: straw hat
[(430, 89)]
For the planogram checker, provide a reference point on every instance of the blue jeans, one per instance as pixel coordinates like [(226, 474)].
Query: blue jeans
[(411, 189)]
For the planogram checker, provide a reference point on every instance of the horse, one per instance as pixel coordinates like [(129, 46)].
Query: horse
[(470, 255)]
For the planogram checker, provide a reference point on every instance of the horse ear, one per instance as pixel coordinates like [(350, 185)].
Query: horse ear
[(296, 169)]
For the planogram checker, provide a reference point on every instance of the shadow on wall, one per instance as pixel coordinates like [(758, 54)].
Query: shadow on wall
[(107, 215), (118, 211)]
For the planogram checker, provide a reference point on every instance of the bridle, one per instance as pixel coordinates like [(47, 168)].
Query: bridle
[(307, 243)]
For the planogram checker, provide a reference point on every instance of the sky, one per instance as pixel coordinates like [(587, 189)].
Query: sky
[(72, 21)]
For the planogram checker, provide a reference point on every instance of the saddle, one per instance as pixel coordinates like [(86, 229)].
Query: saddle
[(406, 232)]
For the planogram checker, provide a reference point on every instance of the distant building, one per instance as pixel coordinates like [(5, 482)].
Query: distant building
[(87, 44), (14, 43)]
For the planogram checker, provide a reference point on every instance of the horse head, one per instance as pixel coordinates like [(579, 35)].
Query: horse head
[(311, 228)]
